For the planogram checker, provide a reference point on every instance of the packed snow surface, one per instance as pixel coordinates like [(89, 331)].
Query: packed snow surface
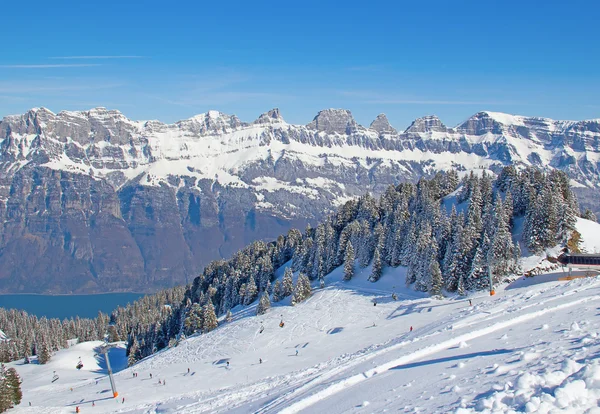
[(531, 347)]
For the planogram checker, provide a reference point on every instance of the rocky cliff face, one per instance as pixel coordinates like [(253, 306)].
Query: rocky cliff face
[(94, 202)]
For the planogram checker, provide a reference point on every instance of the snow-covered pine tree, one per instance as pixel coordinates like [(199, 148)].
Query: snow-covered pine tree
[(287, 283), (349, 262), (194, 321), (302, 290), (132, 355), (377, 267), (251, 291), (277, 291), (264, 304), (436, 278), (501, 257), (44, 353), (210, 318), (367, 246)]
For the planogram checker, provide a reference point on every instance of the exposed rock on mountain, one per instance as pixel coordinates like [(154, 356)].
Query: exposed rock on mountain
[(382, 125), (92, 202)]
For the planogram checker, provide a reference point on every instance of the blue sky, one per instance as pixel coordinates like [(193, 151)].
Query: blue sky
[(171, 60)]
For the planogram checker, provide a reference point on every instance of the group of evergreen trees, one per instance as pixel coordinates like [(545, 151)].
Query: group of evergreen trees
[(10, 388), (409, 225), (29, 335)]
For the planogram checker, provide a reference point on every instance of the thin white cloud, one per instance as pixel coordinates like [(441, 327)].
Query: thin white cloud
[(100, 57), (46, 66)]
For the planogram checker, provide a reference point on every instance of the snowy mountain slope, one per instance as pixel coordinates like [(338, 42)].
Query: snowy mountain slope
[(519, 349), (98, 202), (356, 357)]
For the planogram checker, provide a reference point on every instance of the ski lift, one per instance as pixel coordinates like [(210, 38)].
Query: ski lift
[(79, 364)]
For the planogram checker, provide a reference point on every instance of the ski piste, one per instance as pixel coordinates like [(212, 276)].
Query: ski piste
[(457, 355)]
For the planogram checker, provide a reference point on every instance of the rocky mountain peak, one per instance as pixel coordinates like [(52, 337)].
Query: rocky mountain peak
[(382, 125), (484, 122), (430, 123), (211, 122), (273, 116), (330, 121)]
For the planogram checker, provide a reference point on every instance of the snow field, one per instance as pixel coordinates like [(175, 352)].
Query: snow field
[(524, 348)]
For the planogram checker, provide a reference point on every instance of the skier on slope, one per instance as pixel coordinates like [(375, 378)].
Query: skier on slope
[(470, 303), (411, 328)]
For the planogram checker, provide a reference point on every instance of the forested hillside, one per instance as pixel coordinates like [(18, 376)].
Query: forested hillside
[(27, 335), (450, 234)]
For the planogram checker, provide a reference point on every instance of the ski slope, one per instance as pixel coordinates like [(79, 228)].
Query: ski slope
[(529, 347)]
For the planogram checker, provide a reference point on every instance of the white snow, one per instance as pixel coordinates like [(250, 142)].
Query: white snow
[(354, 355), (506, 119), (532, 347), (590, 235)]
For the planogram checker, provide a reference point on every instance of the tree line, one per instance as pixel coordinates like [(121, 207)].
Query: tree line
[(452, 235)]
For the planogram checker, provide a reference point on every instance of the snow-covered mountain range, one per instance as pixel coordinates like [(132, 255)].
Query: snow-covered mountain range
[(92, 201)]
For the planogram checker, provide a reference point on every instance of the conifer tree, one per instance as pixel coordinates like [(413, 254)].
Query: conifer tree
[(377, 267), (277, 291), (264, 304), (194, 321), (302, 290), (436, 278), (44, 354), (133, 353), (251, 291), (210, 318), (287, 283), (349, 262)]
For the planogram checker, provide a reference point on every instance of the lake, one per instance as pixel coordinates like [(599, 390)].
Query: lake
[(66, 306)]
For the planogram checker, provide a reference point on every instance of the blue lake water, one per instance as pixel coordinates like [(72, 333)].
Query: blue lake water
[(66, 306)]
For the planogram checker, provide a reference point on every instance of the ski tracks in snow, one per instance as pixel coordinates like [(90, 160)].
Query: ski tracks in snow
[(296, 400)]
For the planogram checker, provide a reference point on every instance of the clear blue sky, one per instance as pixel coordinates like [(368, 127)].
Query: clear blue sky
[(171, 60)]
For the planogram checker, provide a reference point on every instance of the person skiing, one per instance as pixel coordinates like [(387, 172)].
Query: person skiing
[(188, 370), (93, 403), (411, 328), (123, 400), (77, 409), (470, 303), (227, 364), (165, 382), (260, 360), (374, 303), (296, 352), (262, 328), (150, 375)]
